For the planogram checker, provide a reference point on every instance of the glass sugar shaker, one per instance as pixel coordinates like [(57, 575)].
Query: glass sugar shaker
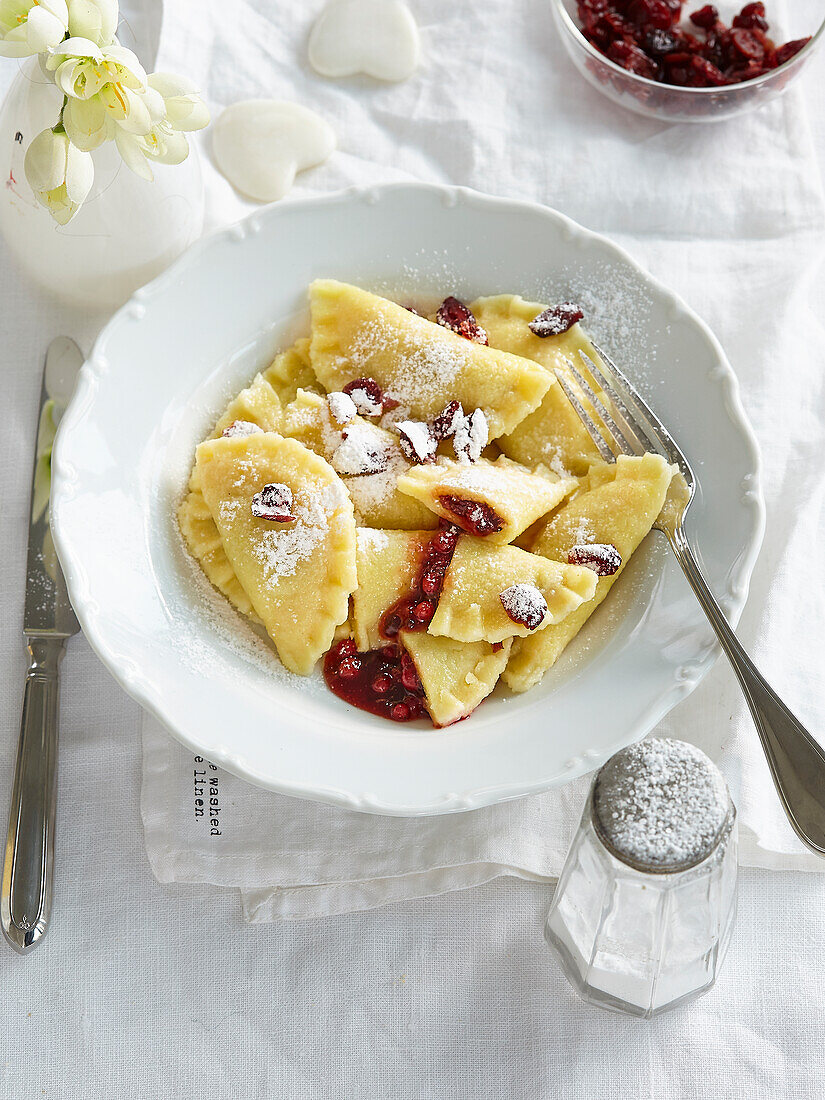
[(644, 907)]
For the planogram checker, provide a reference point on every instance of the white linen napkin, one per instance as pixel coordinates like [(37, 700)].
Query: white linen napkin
[(731, 216)]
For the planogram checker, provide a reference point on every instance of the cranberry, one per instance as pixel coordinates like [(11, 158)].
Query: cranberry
[(658, 42), (418, 441), (476, 517), (381, 685), (349, 668), (409, 678), (707, 73), (391, 626), (751, 17), (368, 396), (790, 49), (635, 60), (448, 420), (747, 44), (444, 541), (400, 712), (651, 13), (706, 17), (347, 648), (603, 558), (457, 317), (273, 502), (414, 706), (524, 604), (430, 583), (389, 652), (560, 319), (424, 611)]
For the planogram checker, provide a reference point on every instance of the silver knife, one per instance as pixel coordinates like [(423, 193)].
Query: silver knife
[(48, 620)]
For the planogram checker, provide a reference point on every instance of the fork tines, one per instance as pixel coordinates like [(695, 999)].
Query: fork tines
[(619, 420)]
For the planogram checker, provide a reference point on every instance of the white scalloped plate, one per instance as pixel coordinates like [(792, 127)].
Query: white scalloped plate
[(160, 373)]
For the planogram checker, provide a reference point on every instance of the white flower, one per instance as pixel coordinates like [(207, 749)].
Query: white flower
[(93, 19), (60, 175), (87, 123), (82, 69), (30, 27), (162, 144), (185, 110), (174, 107)]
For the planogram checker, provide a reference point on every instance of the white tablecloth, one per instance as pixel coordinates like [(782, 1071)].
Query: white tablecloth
[(143, 990)]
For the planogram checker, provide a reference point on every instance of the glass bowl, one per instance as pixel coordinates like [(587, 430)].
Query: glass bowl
[(669, 103)]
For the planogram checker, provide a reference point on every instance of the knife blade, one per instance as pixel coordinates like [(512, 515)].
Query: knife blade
[(48, 620), (47, 611)]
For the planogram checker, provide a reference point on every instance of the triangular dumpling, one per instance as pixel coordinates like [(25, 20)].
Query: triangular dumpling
[(512, 496), (422, 365), (387, 562), (470, 609), (376, 498), (204, 542), (553, 434), (616, 504), (257, 404), (298, 575), (291, 371), (456, 676)]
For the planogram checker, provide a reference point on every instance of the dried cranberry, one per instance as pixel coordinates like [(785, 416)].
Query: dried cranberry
[(706, 17), (418, 441), (369, 398), (448, 420), (659, 42), (651, 13), (457, 317), (747, 44), (751, 17), (273, 502), (603, 558), (524, 604), (790, 49), (474, 516), (560, 319)]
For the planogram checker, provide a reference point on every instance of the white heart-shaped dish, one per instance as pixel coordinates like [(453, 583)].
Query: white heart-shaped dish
[(261, 144), (376, 37)]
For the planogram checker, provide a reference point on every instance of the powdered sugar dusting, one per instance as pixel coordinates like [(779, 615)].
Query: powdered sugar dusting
[(364, 449), (661, 804), (425, 367), (280, 551), (371, 540)]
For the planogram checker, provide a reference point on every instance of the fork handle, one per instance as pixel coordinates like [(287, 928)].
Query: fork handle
[(26, 896), (796, 761)]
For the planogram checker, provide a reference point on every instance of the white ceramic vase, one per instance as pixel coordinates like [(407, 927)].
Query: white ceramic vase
[(126, 232)]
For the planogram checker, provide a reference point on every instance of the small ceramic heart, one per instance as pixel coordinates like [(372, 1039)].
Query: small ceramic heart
[(260, 145), (376, 37)]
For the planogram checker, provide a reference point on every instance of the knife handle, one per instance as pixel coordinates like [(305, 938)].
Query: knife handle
[(26, 897)]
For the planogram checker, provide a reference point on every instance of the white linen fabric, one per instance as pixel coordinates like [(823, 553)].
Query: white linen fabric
[(146, 990), (730, 216)]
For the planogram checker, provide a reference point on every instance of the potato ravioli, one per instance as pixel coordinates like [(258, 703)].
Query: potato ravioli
[(414, 500)]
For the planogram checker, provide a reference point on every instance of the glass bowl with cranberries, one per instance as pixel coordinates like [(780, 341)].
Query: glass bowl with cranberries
[(683, 61)]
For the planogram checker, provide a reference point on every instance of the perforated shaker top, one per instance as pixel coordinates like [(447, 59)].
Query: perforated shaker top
[(660, 805)]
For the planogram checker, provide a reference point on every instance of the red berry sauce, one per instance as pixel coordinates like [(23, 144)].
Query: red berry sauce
[(383, 681), (414, 611), (473, 516), (647, 37)]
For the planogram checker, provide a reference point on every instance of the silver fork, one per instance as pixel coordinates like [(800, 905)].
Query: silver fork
[(796, 761)]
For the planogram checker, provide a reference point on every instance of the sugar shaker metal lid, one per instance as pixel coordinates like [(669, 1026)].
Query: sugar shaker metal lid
[(660, 805)]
